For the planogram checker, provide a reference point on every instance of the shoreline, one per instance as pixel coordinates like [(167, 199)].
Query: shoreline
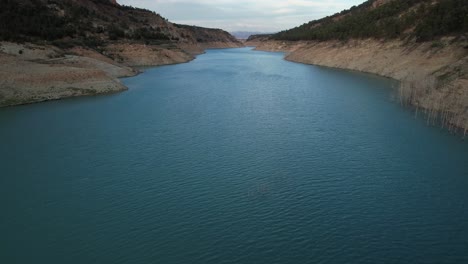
[(432, 79), (31, 73)]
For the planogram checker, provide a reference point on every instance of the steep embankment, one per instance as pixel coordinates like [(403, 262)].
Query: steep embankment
[(31, 73), (394, 59), (54, 49), (433, 71)]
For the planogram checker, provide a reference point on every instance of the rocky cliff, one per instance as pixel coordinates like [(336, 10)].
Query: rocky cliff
[(51, 49)]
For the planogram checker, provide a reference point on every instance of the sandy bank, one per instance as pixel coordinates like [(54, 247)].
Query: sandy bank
[(434, 75), (32, 73)]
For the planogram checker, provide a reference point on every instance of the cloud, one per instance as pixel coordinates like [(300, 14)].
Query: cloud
[(284, 11), (243, 15)]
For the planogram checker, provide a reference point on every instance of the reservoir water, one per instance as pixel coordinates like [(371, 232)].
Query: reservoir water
[(235, 157)]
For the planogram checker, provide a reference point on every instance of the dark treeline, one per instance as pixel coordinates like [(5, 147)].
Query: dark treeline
[(32, 19), (55, 20), (419, 19)]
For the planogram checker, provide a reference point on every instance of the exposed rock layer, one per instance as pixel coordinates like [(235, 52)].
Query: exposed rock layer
[(434, 76), (31, 73), (88, 46)]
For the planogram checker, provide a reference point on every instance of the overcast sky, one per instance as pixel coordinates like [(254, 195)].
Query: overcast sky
[(243, 15)]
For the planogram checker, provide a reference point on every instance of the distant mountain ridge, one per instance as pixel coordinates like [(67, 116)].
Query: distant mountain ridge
[(246, 34)]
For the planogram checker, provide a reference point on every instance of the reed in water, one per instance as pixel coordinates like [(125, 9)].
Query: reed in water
[(425, 94)]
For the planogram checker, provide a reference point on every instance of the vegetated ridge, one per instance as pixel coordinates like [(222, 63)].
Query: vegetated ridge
[(424, 44), (385, 19), (51, 49)]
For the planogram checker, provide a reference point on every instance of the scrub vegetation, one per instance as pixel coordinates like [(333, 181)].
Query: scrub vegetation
[(87, 24), (419, 19)]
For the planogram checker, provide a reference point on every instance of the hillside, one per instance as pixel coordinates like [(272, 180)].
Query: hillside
[(93, 23), (97, 40), (419, 19), (424, 44)]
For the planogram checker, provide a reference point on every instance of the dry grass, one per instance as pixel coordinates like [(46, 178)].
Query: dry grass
[(429, 95)]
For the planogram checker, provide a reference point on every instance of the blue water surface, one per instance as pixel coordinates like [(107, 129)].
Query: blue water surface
[(236, 157)]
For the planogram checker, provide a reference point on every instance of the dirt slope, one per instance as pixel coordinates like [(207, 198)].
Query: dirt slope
[(433, 77)]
